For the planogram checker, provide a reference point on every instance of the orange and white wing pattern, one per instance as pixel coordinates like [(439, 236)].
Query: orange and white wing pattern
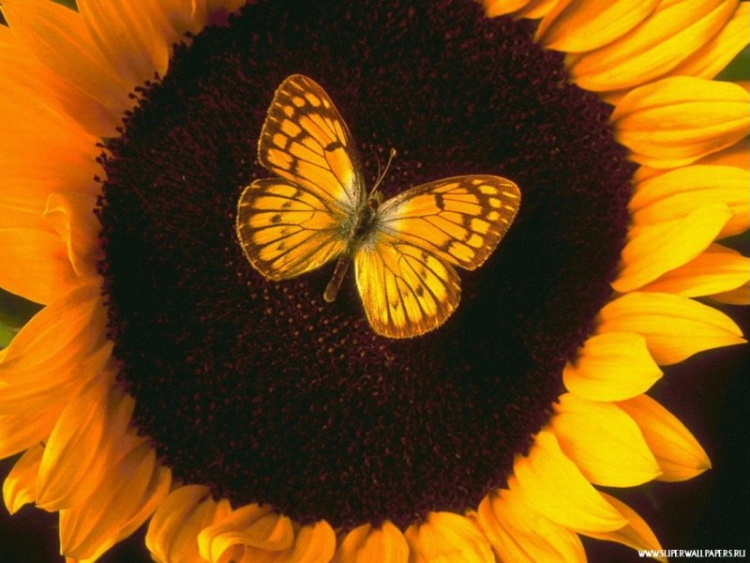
[(405, 267), (294, 224)]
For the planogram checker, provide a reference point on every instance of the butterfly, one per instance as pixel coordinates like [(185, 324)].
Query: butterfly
[(405, 249)]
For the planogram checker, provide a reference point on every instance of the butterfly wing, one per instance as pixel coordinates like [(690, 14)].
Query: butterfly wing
[(296, 223), (405, 266)]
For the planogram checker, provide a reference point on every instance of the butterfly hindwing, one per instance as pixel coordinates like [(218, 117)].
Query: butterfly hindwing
[(405, 271), (305, 140)]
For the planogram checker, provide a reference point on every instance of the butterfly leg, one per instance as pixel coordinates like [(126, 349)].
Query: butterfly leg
[(333, 287)]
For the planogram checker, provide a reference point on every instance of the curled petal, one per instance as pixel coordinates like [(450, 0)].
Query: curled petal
[(72, 217), (520, 534), (637, 534), (678, 453), (445, 537), (612, 367), (653, 48), (676, 193), (134, 485), (366, 544), (557, 489), (19, 487), (676, 121), (674, 327), (173, 530), (604, 442), (575, 26), (678, 241), (718, 270)]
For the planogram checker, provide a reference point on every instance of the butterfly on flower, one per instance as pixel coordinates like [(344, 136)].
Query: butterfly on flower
[(404, 250)]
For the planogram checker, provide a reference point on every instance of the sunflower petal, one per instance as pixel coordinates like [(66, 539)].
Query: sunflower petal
[(19, 487), (520, 534), (315, 543), (445, 537), (73, 219), (675, 193), (713, 57), (20, 431), (678, 241), (172, 535), (674, 327), (535, 9), (675, 121), (136, 484), (58, 37), (718, 270), (737, 155), (637, 534), (652, 49), (739, 296), (557, 489), (366, 544), (249, 529), (679, 454), (36, 265), (575, 26), (496, 8), (612, 367)]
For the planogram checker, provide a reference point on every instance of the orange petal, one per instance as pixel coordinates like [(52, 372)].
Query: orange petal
[(173, 530), (739, 296), (637, 534), (675, 121), (575, 26), (674, 327), (520, 534), (715, 56), (535, 9), (35, 265), (676, 193), (496, 8), (679, 454), (72, 217), (611, 367), (19, 487), (136, 484), (77, 455), (717, 270), (445, 537), (604, 442), (737, 155), (676, 242), (557, 489), (20, 431), (315, 543), (653, 48), (365, 544), (58, 37)]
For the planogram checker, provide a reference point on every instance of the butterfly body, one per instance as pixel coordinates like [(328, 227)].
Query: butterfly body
[(404, 249)]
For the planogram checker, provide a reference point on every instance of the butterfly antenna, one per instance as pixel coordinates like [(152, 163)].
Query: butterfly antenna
[(385, 171)]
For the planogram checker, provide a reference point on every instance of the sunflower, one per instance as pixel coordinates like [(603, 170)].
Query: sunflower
[(164, 381)]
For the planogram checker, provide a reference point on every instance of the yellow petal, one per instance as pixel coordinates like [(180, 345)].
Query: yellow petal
[(172, 535), (58, 37), (678, 453), (78, 454), (654, 47), (447, 538), (535, 9), (366, 544), (715, 56), (737, 155), (676, 193), (575, 26), (637, 534), (72, 217), (35, 265), (656, 249), (604, 442), (675, 121), (717, 270), (315, 543), (556, 488), (739, 296), (136, 484), (520, 534), (496, 8), (251, 529), (20, 431), (674, 327), (612, 367), (19, 487)]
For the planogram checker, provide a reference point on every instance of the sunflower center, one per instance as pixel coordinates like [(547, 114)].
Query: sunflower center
[(266, 392)]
